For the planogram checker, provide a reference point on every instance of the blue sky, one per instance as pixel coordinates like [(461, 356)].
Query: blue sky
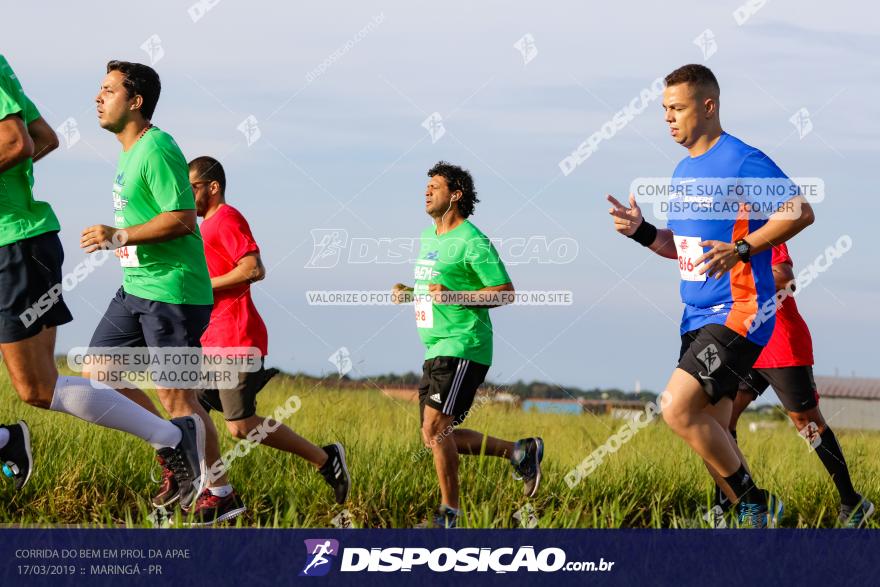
[(354, 135)]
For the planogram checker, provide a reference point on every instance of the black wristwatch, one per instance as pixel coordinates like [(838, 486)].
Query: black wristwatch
[(743, 250)]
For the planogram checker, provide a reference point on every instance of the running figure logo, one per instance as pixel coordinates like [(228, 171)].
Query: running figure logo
[(710, 357), (328, 245), (317, 559)]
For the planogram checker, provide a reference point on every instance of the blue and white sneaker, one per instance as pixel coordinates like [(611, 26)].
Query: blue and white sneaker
[(764, 514), (446, 518), (856, 516)]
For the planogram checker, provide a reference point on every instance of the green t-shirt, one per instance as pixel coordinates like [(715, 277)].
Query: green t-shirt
[(21, 216), (462, 259), (152, 177)]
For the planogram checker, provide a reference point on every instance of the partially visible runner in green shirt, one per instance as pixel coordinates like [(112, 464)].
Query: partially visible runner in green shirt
[(21, 216)]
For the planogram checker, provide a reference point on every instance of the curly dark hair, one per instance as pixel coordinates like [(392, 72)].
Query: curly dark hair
[(140, 80), (458, 179)]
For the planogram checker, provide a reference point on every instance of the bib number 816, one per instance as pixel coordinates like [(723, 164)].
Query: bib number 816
[(685, 263)]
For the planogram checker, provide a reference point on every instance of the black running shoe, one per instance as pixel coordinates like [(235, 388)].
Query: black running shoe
[(210, 509), (526, 460), (17, 458), (335, 471), (169, 491), (187, 460)]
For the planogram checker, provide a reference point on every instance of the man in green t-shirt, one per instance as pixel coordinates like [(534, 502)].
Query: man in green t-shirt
[(32, 306), (458, 278), (165, 302)]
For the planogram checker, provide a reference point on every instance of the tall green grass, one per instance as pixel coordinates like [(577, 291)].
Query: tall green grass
[(87, 475)]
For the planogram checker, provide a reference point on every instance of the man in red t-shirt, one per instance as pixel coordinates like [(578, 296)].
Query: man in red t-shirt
[(234, 263), (786, 365)]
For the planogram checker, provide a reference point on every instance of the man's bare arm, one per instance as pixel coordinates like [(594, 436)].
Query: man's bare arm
[(45, 139), (16, 145), (248, 270), (162, 227)]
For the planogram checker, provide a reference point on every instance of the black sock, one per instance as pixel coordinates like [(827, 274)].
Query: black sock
[(743, 485), (832, 457), (721, 499)]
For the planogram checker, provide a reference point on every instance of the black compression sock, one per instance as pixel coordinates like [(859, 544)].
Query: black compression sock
[(721, 499), (832, 457), (743, 485)]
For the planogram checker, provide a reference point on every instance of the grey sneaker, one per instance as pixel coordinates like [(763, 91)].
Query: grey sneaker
[(526, 460), (16, 457), (856, 516), (187, 460), (716, 517)]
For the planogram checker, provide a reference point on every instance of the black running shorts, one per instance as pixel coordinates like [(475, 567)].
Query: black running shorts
[(449, 385), (30, 287), (718, 358), (794, 386)]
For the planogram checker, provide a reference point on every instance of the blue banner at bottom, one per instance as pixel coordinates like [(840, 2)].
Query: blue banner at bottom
[(484, 557)]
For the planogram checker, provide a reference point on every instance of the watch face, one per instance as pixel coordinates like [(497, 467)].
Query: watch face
[(742, 248)]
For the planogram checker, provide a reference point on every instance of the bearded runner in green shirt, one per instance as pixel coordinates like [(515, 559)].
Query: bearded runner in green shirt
[(166, 298), (31, 307), (458, 278)]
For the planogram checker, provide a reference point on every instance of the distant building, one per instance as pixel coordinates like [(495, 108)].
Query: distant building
[(850, 402)]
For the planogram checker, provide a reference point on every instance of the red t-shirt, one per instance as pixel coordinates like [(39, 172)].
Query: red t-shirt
[(235, 321), (791, 344)]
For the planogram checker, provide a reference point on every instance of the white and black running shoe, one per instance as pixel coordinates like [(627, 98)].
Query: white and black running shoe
[(335, 471)]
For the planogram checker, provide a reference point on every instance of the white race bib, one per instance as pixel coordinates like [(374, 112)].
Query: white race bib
[(128, 256), (424, 312), (689, 250)]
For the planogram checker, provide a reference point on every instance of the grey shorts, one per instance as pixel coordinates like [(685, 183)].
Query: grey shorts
[(240, 402)]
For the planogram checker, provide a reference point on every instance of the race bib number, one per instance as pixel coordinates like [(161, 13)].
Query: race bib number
[(689, 250), (128, 256), (424, 312)]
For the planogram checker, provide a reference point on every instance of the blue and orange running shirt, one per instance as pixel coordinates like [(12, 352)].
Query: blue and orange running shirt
[(724, 194)]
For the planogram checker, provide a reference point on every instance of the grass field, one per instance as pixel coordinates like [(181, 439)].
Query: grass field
[(86, 475)]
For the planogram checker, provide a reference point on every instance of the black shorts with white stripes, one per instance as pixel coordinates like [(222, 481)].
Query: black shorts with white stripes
[(449, 385)]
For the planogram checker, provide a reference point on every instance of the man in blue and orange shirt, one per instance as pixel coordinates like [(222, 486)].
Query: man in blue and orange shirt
[(721, 240)]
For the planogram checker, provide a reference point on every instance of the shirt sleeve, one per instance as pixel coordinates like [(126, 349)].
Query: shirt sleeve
[(167, 175), (768, 184), (236, 236), (8, 104), (30, 110), (780, 255), (486, 263)]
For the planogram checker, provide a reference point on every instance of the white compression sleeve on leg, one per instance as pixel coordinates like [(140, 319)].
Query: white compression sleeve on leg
[(99, 404)]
